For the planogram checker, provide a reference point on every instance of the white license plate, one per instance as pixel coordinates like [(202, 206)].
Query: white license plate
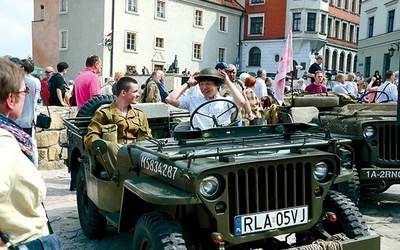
[(258, 222)]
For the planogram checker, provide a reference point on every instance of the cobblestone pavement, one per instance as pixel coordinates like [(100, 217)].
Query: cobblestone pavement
[(381, 211)]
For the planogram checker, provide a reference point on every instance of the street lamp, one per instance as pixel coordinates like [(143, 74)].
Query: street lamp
[(392, 50)]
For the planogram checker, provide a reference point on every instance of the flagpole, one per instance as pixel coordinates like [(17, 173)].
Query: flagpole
[(112, 38)]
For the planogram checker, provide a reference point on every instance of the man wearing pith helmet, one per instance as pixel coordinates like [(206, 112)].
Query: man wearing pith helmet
[(209, 81)]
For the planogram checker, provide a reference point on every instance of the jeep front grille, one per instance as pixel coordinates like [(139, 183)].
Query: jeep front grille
[(388, 149), (264, 188)]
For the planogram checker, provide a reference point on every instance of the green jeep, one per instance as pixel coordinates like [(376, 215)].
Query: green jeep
[(220, 188)]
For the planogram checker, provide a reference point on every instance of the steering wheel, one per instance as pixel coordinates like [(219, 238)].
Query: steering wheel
[(214, 117), (376, 93)]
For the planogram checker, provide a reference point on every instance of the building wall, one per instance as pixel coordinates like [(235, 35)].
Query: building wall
[(45, 33), (87, 29), (376, 47)]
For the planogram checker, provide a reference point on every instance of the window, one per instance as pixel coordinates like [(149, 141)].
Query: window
[(386, 62), (311, 19), (323, 20), (198, 18), (367, 69), (221, 54), (131, 41), (351, 38), (331, 2), (344, 31), (390, 21), (357, 35), (223, 24), (256, 25), (353, 6), (255, 57), (339, 3), (257, 1), (159, 43), (370, 26), (296, 21), (329, 28), (131, 6), (337, 26), (63, 44), (160, 9), (197, 51), (41, 12), (346, 4), (63, 5)]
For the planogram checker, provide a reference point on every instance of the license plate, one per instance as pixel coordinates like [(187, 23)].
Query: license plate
[(380, 173), (258, 222)]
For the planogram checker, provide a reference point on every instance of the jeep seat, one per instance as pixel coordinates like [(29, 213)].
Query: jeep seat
[(157, 115)]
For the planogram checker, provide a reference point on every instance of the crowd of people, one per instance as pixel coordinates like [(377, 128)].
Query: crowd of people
[(21, 92)]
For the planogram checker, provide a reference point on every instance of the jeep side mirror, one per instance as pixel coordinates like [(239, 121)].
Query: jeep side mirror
[(98, 147)]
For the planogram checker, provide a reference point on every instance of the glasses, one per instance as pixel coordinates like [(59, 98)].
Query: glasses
[(48, 72), (26, 91)]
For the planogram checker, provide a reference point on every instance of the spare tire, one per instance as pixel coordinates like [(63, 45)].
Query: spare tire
[(90, 107)]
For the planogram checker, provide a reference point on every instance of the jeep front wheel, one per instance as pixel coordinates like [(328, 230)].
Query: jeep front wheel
[(157, 230), (349, 219), (92, 222)]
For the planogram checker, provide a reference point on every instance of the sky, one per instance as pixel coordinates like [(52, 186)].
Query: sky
[(16, 18)]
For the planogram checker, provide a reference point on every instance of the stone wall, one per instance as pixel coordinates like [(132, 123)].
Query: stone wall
[(51, 154)]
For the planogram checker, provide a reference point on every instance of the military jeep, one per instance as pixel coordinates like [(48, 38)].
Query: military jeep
[(220, 188), (375, 136)]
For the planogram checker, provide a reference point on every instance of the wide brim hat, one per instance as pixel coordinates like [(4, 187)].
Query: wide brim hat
[(209, 74)]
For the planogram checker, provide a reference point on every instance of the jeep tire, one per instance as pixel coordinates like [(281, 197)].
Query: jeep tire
[(92, 222), (351, 188), (159, 231), (349, 219), (90, 107)]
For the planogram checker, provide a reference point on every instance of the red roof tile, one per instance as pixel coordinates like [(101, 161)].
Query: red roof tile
[(228, 3)]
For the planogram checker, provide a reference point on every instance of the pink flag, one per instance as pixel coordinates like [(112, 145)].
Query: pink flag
[(285, 66)]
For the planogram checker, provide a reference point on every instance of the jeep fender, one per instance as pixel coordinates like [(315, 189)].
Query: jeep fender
[(157, 192)]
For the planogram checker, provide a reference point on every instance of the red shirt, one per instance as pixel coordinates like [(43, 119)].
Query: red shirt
[(316, 88)]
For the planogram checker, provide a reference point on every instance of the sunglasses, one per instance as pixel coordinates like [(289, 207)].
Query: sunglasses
[(26, 91)]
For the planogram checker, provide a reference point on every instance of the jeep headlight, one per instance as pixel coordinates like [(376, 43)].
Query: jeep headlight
[(320, 171), (368, 131), (209, 186)]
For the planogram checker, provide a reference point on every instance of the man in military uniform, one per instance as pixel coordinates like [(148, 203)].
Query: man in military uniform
[(130, 124), (151, 93)]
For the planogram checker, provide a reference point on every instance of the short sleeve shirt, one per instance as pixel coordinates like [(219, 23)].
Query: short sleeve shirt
[(217, 109), (316, 88)]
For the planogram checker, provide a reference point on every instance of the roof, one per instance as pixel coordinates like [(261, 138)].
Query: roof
[(228, 3)]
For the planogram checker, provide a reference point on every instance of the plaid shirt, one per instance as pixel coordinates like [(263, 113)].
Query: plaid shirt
[(254, 104)]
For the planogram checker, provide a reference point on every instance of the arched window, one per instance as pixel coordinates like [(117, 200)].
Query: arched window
[(255, 57), (41, 12), (341, 62), (327, 57), (334, 60), (348, 64)]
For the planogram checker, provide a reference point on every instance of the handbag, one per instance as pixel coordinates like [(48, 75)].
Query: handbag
[(43, 120)]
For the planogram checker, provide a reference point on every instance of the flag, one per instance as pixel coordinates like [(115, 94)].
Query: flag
[(107, 39), (285, 66)]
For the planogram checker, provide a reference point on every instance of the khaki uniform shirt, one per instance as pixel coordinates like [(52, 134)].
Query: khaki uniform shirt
[(153, 93), (22, 191), (128, 127)]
